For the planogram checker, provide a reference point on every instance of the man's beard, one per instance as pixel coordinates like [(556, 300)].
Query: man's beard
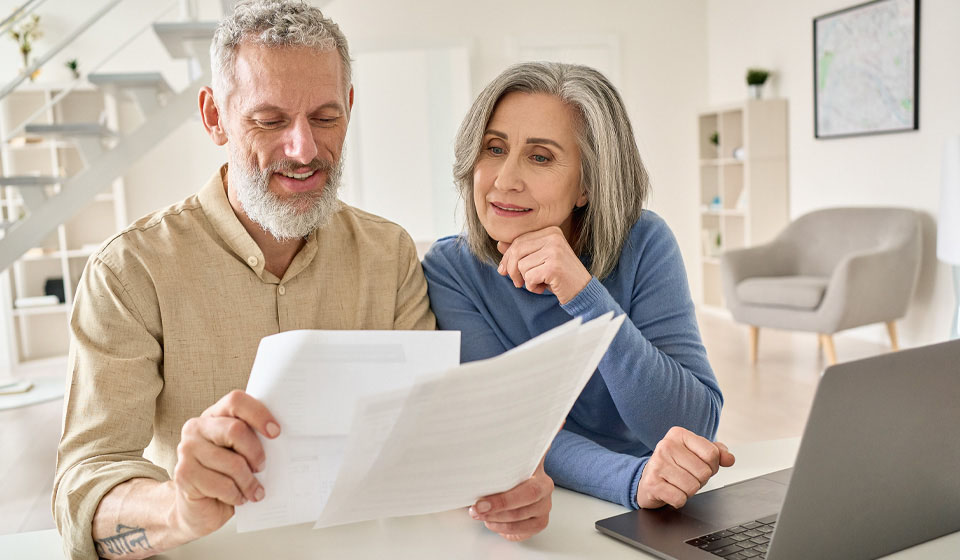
[(295, 216)]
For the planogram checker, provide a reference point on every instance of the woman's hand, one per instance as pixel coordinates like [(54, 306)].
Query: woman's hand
[(544, 259), (681, 464), (521, 512)]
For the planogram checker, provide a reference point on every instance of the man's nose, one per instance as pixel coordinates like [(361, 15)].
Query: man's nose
[(509, 176), (300, 144)]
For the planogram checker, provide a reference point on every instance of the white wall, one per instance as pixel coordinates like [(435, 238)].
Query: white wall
[(901, 169), (661, 68)]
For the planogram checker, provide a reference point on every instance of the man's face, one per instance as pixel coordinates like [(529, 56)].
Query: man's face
[(286, 119)]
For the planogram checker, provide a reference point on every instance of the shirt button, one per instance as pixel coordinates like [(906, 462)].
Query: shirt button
[(252, 261), (281, 290)]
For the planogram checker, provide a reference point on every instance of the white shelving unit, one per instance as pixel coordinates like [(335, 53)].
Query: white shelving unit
[(744, 184), (36, 332)]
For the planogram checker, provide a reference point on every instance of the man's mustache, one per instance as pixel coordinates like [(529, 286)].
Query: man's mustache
[(291, 166)]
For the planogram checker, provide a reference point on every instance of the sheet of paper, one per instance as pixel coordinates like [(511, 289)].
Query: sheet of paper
[(476, 430), (311, 381)]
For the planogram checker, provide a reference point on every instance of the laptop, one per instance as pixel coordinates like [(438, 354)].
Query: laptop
[(878, 470)]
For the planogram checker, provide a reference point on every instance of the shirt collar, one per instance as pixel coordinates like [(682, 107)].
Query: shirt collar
[(216, 207)]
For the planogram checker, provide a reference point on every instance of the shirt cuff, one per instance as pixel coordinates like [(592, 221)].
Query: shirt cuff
[(78, 495), (634, 503), (588, 297)]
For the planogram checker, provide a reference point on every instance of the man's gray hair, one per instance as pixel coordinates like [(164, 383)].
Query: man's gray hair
[(273, 23), (611, 172)]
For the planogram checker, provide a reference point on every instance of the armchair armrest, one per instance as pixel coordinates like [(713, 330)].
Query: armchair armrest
[(871, 287), (736, 265)]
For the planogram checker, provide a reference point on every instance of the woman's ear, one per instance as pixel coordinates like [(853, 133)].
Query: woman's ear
[(582, 201)]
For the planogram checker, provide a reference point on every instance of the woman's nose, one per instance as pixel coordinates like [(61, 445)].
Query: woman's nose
[(300, 144), (509, 176)]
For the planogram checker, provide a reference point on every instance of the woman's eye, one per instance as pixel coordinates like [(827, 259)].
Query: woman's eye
[(540, 159), (496, 150)]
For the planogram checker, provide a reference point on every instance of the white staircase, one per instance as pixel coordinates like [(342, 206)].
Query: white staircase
[(106, 154)]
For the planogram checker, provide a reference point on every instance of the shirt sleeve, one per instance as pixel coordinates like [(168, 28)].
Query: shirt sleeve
[(113, 382), (413, 306)]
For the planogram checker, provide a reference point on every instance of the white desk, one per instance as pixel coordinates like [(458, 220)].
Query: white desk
[(571, 533)]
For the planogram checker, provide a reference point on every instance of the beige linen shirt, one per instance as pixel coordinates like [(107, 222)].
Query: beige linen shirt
[(167, 319)]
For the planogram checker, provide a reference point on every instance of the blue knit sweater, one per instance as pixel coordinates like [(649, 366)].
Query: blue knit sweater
[(655, 374)]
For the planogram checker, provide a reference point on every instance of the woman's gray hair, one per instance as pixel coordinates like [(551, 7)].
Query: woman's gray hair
[(611, 172), (273, 23)]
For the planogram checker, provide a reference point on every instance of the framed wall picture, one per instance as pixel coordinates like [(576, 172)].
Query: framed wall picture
[(865, 69)]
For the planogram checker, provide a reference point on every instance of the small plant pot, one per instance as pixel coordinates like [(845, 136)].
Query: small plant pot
[(755, 91)]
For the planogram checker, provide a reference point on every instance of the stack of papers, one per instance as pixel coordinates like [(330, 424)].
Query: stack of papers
[(385, 423)]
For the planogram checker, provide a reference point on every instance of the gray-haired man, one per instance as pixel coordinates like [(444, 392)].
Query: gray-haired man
[(159, 443)]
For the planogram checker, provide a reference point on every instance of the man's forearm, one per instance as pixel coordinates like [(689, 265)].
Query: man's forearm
[(136, 519)]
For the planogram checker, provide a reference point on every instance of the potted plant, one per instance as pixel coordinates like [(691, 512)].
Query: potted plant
[(25, 34), (74, 67), (756, 77)]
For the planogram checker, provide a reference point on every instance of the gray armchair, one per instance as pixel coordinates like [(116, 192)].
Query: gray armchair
[(829, 270)]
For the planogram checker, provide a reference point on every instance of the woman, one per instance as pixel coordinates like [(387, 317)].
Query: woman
[(553, 186)]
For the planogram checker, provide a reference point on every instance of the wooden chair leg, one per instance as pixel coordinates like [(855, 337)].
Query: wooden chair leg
[(826, 341), (754, 342), (892, 331)]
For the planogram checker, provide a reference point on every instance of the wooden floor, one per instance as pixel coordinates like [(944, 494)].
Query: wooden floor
[(767, 401)]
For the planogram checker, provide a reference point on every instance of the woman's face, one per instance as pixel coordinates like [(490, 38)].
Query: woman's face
[(527, 177)]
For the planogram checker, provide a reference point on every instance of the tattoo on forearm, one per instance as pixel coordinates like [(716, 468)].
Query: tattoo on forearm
[(125, 541)]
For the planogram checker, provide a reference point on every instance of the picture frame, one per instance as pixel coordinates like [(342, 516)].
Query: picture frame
[(866, 61)]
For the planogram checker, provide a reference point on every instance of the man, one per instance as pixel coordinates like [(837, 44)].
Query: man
[(159, 443)]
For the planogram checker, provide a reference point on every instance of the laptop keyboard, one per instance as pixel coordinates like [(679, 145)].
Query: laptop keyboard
[(740, 542)]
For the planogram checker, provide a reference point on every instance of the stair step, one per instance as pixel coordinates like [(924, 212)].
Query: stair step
[(176, 36), (70, 130), (131, 80), (29, 181)]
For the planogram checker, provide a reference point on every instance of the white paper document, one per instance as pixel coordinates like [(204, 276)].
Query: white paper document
[(311, 381), (449, 435)]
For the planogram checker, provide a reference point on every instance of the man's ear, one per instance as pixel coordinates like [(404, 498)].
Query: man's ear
[(212, 117)]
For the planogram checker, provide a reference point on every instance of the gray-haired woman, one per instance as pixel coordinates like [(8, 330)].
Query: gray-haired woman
[(553, 186)]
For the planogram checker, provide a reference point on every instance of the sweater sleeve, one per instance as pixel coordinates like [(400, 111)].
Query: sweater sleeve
[(656, 368), (579, 463), (455, 310)]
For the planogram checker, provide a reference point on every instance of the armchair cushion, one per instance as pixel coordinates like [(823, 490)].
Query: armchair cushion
[(797, 292)]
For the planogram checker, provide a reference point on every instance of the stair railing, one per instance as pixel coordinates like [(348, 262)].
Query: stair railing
[(23, 11), (70, 87), (57, 48)]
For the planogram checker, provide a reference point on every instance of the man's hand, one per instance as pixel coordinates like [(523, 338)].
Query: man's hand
[(518, 513), (544, 259), (216, 459), (681, 464)]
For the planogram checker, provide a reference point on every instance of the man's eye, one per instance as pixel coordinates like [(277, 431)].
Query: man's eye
[(268, 124)]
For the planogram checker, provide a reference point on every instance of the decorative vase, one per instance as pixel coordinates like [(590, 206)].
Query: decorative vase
[(755, 91)]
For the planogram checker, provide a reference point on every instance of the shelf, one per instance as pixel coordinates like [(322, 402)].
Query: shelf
[(52, 255), (723, 212), (15, 144), (721, 161), (41, 310), (743, 201)]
